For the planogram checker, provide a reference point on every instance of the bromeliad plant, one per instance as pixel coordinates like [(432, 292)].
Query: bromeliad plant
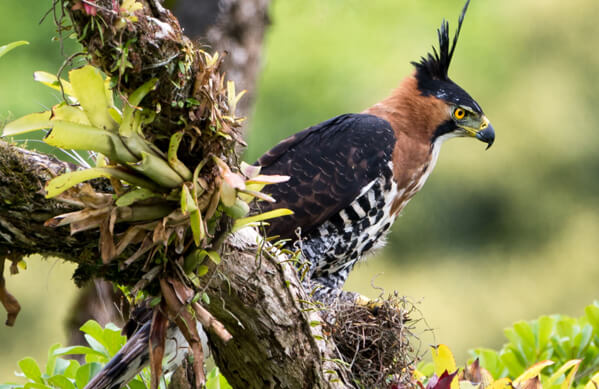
[(155, 213)]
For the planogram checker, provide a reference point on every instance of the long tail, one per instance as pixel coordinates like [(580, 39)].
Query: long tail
[(135, 355), (126, 364)]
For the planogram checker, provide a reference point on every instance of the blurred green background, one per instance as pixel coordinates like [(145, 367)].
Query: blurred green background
[(494, 237)]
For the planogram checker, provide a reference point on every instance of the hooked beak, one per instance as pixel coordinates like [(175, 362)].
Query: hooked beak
[(484, 133)]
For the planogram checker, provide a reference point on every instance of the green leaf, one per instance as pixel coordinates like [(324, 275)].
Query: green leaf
[(131, 106), (546, 326), (86, 372), (59, 184), (158, 170), (89, 89), (69, 135), (193, 260), (6, 48), (202, 270), (71, 370), (30, 368), (509, 359), (173, 161), (28, 123), (136, 384), (51, 80), (592, 315), (61, 382), (215, 380), (214, 256), (69, 113), (239, 223), (135, 195), (187, 202), (78, 350), (197, 226), (93, 328), (35, 385), (50, 365)]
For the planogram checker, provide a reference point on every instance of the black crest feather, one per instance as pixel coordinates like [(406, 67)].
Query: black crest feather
[(436, 64)]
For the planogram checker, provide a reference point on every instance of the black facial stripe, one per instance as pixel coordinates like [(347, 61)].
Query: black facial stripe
[(445, 127)]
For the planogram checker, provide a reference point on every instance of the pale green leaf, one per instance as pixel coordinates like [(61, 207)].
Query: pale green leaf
[(131, 106), (158, 170), (532, 371), (89, 89), (68, 135), (6, 48), (30, 368), (197, 226), (214, 256), (28, 123), (59, 381), (86, 372), (69, 113), (135, 195), (239, 223), (51, 80), (59, 184), (78, 350)]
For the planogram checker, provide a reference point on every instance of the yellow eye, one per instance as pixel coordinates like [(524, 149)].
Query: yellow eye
[(459, 113)]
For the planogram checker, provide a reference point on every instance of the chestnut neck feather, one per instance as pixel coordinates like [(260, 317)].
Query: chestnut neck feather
[(414, 119)]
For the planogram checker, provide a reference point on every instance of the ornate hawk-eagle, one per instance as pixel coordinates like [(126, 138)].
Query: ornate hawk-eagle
[(350, 177)]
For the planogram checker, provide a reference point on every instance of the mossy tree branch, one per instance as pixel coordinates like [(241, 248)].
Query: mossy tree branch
[(274, 343)]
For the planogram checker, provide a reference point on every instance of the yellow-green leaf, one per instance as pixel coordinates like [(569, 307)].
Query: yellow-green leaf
[(28, 123), (593, 382), (571, 364), (135, 195), (443, 361), (197, 226), (239, 223), (51, 80), (88, 86), (158, 170), (173, 160), (76, 136), (532, 371), (503, 383), (187, 202), (131, 106), (69, 113), (59, 184), (6, 48), (213, 255)]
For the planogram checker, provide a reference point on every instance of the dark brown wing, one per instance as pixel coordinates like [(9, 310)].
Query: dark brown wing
[(329, 164)]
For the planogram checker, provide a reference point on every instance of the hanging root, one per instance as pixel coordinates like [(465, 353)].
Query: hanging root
[(10, 303)]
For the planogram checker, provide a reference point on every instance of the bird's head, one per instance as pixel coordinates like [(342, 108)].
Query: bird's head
[(456, 113)]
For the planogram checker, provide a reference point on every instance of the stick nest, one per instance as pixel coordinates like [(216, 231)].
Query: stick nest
[(377, 343)]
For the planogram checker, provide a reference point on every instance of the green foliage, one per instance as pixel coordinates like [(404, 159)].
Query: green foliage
[(104, 343), (6, 48), (558, 338)]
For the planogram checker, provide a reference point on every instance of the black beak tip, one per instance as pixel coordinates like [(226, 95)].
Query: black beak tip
[(487, 135)]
